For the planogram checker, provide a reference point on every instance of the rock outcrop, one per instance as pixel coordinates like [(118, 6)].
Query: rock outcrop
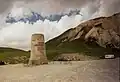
[(105, 31), (95, 38)]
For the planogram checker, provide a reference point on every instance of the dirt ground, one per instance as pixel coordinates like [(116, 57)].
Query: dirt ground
[(106, 70)]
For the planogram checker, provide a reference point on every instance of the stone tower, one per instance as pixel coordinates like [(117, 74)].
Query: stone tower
[(38, 53)]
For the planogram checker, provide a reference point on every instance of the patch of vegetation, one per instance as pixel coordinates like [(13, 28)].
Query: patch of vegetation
[(76, 46), (12, 56), (53, 49)]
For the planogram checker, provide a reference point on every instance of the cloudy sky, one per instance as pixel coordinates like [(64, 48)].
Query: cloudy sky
[(57, 17)]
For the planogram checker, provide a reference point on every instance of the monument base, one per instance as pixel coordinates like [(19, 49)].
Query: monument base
[(37, 62)]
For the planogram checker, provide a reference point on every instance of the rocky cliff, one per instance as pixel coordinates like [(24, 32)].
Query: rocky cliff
[(103, 32)]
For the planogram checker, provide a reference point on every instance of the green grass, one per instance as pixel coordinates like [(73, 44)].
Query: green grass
[(53, 49), (8, 54), (76, 46)]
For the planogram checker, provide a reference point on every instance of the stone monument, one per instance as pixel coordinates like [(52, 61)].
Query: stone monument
[(38, 52)]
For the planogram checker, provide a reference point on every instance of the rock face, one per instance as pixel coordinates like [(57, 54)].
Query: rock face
[(95, 37), (38, 54), (105, 31)]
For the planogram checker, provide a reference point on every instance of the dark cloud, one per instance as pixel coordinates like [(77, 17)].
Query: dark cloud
[(51, 6), (104, 7), (36, 16), (57, 6), (4, 5), (110, 6)]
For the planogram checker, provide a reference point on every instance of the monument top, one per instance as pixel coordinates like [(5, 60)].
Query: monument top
[(38, 36)]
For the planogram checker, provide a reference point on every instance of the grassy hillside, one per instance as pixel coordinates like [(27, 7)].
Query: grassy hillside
[(102, 31), (13, 55), (55, 48)]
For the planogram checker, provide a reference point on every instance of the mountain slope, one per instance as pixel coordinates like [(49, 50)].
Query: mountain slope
[(11, 55), (94, 37)]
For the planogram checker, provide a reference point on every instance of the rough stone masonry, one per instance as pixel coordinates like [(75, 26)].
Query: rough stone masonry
[(38, 52)]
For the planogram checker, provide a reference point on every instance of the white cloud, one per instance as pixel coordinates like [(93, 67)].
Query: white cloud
[(18, 35)]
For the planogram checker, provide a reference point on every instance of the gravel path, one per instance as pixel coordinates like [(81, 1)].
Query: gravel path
[(82, 71)]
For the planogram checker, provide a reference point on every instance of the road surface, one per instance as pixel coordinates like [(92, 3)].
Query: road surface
[(106, 70)]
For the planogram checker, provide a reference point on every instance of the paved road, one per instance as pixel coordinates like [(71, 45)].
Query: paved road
[(83, 71)]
